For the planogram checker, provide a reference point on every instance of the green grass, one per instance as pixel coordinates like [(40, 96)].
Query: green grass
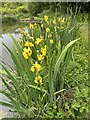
[(79, 70)]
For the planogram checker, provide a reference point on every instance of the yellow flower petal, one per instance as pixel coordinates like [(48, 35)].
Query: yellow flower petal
[(35, 24), (37, 66), (19, 29), (38, 80), (43, 50), (47, 30), (63, 20), (38, 40), (31, 44), (58, 19), (29, 52), (31, 26), (50, 35), (40, 57), (45, 18), (32, 69), (26, 43), (25, 55), (51, 41), (25, 50)]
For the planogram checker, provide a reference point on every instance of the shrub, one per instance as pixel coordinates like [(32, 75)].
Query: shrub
[(36, 88)]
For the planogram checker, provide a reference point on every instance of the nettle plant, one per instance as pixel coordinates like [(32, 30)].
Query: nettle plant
[(35, 87)]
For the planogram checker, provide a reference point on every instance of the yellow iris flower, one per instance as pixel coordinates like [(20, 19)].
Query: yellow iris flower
[(35, 24), (54, 21), (63, 20), (51, 41), (38, 40), (32, 38), (50, 35), (40, 57), (47, 30), (43, 50), (45, 18), (32, 68), (28, 44), (19, 29), (37, 66), (38, 79), (31, 26), (27, 53)]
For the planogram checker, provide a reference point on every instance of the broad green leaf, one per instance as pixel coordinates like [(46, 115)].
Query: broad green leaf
[(61, 57)]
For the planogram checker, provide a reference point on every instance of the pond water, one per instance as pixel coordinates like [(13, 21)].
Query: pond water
[(8, 29)]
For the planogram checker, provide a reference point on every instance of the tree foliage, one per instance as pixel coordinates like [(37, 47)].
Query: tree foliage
[(35, 8)]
